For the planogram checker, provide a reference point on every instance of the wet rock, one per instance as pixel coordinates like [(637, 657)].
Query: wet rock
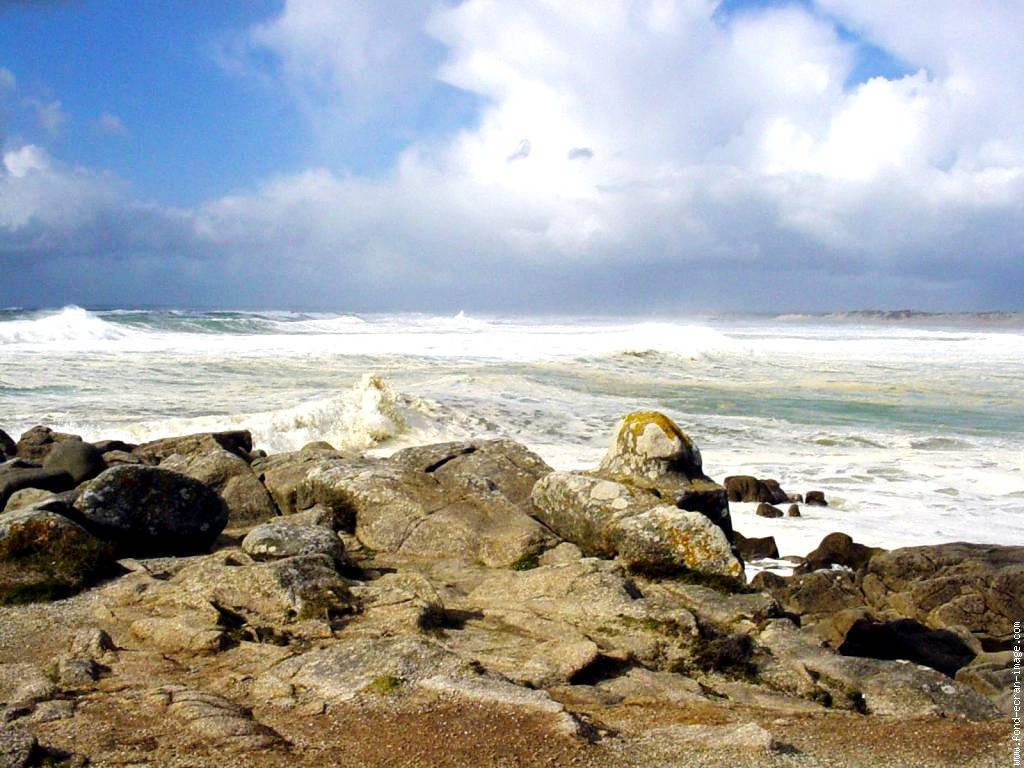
[(36, 443), (793, 511), (907, 639), (150, 511), (837, 549), (947, 586), (230, 476), (215, 719), (750, 489), (453, 500), (650, 451), (604, 518), (756, 548), (767, 510), (45, 556), (82, 461), (815, 499), (286, 539)]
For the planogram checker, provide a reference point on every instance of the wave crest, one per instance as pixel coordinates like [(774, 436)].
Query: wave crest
[(68, 325)]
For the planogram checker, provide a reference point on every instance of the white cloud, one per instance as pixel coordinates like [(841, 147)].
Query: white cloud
[(49, 115), (654, 146), (40, 198), (108, 124), (7, 80)]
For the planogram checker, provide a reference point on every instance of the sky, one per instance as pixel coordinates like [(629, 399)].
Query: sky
[(614, 156)]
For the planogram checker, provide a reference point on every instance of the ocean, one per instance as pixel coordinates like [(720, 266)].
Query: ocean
[(912, 424)]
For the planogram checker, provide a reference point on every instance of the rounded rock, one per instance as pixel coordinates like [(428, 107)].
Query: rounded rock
[(278, 539), (149, 511)]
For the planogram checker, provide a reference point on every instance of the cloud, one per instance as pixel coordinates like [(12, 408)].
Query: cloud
[(108, 124), (7, 80), (521, 152), (48, 114), (676, 159)]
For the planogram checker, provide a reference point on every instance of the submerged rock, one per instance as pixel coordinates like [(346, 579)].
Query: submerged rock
[(756, 548), (837, 549), (815, 499), (748, 488), (149, 511), (767, 510)]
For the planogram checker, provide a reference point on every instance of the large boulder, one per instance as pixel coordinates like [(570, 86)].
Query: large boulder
[(83, 461), (43, 555), (608, 519), (230, 476), (150, 511), (978, 587), (36, 443), (650, 451), (467, 501)]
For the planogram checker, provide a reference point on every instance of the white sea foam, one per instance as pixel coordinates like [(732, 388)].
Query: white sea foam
[(915, 433), (67, 327)]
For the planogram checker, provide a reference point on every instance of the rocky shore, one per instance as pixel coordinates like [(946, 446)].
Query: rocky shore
[(193, 601)]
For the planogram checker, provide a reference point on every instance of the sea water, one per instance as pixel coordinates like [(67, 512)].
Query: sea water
[(912, 425)]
